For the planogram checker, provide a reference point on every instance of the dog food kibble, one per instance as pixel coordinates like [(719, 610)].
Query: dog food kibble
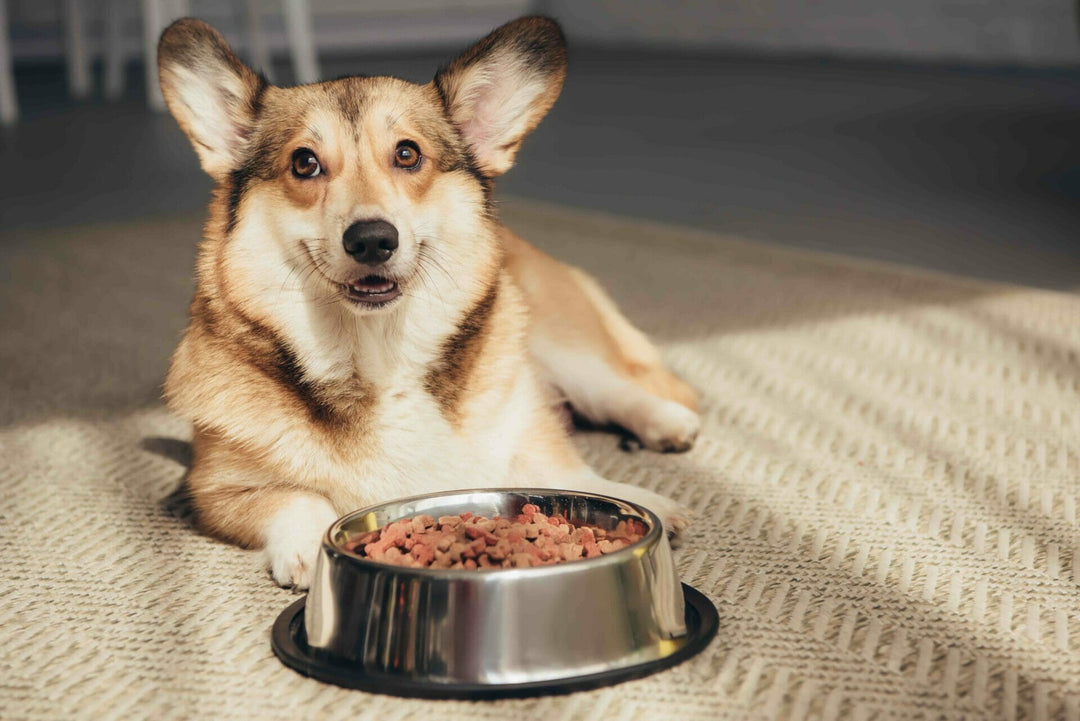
[(469, 542)]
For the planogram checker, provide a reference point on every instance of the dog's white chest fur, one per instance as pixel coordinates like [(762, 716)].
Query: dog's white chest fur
[(420, 449), (412, 445)]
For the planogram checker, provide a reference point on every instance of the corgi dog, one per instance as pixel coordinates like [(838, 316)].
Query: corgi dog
[(363, 328)]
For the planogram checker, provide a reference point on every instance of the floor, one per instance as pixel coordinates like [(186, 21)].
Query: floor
[(970, 171)]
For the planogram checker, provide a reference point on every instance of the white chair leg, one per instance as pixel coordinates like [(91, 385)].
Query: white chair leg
[(301, 40), (157, 14), (260, 55), (78, 62), (114, 49), (9, 104)]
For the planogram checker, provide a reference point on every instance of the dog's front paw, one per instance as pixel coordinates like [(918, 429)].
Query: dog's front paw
[(293, 538), (670, 428), (675, 516)]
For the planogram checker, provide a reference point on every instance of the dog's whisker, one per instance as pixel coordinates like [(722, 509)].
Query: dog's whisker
[(313, 255), (433, 256), (422, 270), (425, 260)]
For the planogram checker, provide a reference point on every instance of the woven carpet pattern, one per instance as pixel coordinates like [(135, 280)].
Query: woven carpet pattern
[(885, 490)]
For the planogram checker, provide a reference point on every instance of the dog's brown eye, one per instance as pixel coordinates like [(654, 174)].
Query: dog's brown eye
[(305, 164), (407, 155)]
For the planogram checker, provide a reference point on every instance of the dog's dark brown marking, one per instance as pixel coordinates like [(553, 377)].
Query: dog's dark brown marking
[(259, 165), (346, 93), (540, 39), (448, 379), (238, 182), (330, 406), (544, 45)]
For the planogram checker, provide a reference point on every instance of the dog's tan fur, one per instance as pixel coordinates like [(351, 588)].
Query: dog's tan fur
[(305, 404)]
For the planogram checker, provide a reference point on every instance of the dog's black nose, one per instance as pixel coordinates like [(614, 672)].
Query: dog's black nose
[(370, 242)]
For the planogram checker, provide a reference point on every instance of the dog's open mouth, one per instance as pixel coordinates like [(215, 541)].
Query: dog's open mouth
[(371, 289)]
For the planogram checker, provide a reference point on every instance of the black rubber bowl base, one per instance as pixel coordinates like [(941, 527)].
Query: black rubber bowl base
[(289, 642)]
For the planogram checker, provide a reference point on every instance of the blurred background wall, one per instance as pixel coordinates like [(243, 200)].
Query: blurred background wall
[(983, 31), (978, 30)]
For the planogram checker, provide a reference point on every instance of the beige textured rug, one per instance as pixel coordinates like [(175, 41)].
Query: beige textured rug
[(885, 487)]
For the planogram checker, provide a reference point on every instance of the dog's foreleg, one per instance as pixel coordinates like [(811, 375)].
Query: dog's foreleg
[(287, 523), (232, 504), (293, 536)]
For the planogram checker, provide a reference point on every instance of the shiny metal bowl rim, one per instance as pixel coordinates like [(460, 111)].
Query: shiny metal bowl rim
[(655, 529)]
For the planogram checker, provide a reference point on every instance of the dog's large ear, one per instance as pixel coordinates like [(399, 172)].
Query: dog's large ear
[(209, 91), (499, 89)]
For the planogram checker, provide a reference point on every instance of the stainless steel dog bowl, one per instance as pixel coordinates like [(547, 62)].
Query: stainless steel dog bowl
[(488, 633)]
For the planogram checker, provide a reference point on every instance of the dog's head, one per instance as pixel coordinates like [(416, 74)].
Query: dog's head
[(363, 187)]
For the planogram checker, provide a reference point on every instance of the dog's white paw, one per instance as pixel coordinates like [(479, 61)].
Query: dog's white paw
[(669, 427), (293, 537), (675, 516)]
